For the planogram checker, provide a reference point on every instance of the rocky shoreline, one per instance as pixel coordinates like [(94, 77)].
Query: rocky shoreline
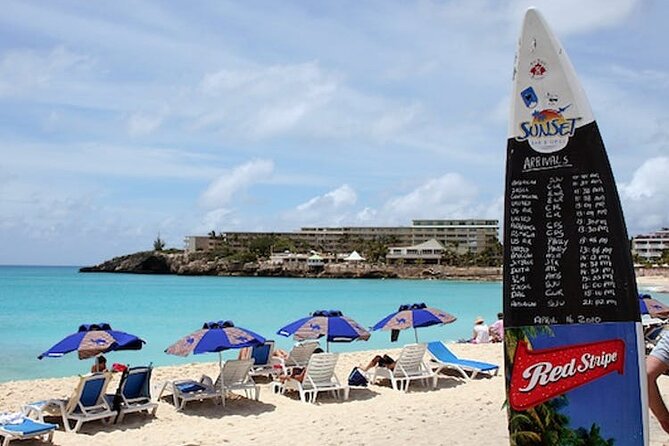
[(155, 262)]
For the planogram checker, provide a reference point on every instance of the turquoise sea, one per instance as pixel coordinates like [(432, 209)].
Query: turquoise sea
[(41, 305)]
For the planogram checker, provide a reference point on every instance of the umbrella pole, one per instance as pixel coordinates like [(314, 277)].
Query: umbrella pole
[(220, 373), (327, 346), (415, 332)]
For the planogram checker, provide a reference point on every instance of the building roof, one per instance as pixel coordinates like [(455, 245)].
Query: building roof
[(354, 257)]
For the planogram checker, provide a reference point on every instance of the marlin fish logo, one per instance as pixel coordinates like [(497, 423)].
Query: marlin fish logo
[(99, 341), (314, 327), (400, 320)]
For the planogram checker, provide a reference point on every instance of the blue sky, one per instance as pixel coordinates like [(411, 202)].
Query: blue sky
[(124, 120)]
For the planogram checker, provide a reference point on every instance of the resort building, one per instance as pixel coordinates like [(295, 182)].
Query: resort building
[(650, 246), (429, 253), (461, 236)]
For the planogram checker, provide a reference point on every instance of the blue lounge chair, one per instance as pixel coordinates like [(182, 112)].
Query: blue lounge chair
[(87, 403), (23, 428), (262, 359), (133, 394), (443, 358)]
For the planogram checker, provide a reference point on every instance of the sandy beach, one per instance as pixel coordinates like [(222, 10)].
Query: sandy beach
[(658, 283), (458, 412)]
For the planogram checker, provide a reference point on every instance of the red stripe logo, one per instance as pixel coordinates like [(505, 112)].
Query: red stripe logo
[(539, 375)]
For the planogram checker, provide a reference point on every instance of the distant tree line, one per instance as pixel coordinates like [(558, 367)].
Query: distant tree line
[(374, 251)]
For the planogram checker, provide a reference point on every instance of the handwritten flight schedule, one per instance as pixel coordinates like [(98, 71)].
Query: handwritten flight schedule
[(563, 238)]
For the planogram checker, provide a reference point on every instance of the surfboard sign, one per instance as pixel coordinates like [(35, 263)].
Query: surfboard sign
[(573, 338)]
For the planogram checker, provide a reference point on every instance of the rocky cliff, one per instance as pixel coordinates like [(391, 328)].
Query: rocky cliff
[(154, 262)]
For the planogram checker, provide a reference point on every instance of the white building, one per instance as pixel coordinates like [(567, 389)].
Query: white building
[(429, 252), (650, 246)]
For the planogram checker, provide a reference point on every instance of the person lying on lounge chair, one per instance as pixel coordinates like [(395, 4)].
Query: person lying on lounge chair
[(296, 373), (380, 361)]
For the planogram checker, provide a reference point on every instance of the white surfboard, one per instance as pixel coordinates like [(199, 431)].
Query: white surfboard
[(573, 338)]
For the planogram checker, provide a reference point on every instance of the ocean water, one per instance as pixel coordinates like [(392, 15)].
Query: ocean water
[(41, 305)]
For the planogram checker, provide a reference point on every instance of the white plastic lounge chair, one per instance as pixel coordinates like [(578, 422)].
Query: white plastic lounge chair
[(133, 393), (408, 367), (235, 375), (185, 390), (443, 358), (262, 359), (297, 357), (87, 403), (19, 427), (319, 376)]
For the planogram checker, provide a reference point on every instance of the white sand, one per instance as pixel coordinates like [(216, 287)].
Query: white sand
[(458, 412), (656, 282)]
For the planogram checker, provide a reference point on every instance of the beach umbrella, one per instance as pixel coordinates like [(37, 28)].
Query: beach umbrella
[(330, 323), (215, 337), (653, 307), (413, 316), (92, 340)]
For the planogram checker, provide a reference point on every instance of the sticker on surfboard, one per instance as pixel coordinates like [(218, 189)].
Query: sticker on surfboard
[(573, 344)]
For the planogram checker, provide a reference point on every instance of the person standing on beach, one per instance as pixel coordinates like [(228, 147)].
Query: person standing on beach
[(657, 363)]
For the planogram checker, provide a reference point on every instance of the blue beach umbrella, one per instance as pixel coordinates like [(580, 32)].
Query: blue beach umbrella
[(413, 316), (94, 339), (215, 337), (330, 323), (653, 307)]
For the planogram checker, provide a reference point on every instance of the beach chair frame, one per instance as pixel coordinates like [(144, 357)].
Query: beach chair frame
[(40, 430), (139, 402), (187, 390), (236, 375), (410, 366), (298, 356), (442, 358), (266, 368), (74, 409), (319, 377)]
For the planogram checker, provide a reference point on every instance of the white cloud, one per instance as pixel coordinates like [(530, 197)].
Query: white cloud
[(23, 70), (265, 101), (142, 124), (335, 199), (646, 197), (221, 191), (216, 220), (450, 195), (330, 209), (108, 160)]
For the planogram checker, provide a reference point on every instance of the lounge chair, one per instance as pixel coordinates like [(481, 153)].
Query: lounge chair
[(262, 359), (19, 427), (87, 403), (297, 357), (319, 376), (408, 367), (443, 358), (186, 390), (235, 375), (133, 394)]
